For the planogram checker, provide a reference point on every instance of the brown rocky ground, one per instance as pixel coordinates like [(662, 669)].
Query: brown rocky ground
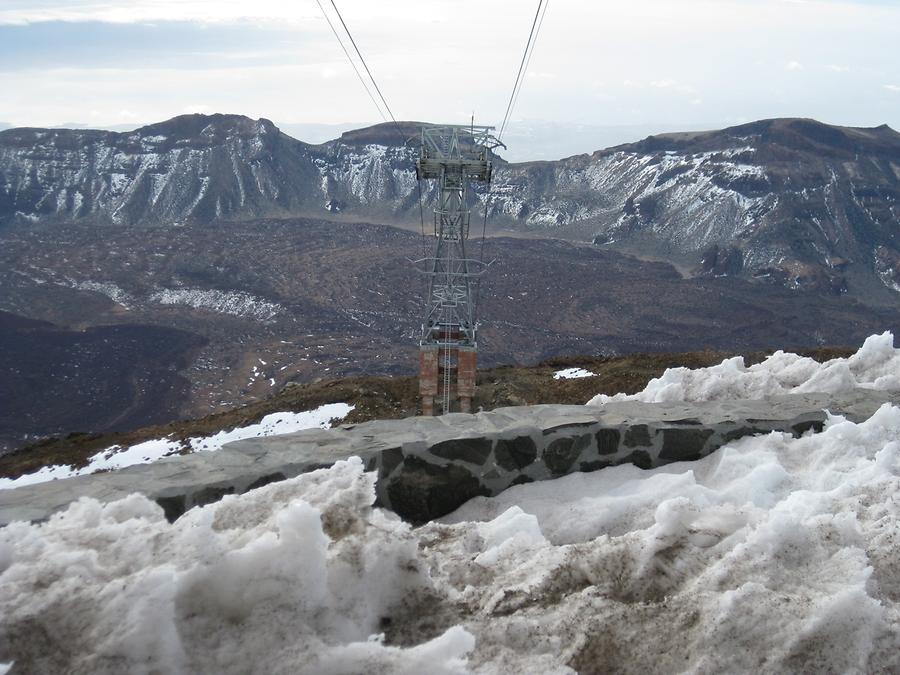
[(252, 306), (396, 397)]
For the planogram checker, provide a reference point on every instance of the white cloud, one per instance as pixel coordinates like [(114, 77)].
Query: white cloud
[(838, 69), (136, 11), (198, 108), (672, 85), (794, 65), (892, 87)]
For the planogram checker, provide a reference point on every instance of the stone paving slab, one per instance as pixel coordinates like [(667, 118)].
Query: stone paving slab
[(428, 466)]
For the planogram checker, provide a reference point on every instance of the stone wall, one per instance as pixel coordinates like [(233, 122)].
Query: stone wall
[(428, 466)]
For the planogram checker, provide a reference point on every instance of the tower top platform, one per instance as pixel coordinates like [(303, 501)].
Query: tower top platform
[(457, 148)]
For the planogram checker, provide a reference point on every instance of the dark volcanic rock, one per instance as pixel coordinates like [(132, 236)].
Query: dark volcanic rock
[(515, 453), (423, 491), (106, 378), (608, 441), (722, 261), (472, 450), (639, 458), (683, 444), (561, 454), (637, 436), (255, 290)]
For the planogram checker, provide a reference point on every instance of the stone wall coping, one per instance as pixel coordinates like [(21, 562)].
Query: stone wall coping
[(180, 482)]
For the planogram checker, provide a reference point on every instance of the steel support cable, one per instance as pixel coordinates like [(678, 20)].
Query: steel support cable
[(521, 69), (487, 196), (352, 62), (380, 95), (359, 54), (530, 54), (422, 220)]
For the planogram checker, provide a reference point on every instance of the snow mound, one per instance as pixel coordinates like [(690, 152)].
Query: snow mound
[(118, 457), (773, 555), (875, 366), (776, 554), (293, 577)]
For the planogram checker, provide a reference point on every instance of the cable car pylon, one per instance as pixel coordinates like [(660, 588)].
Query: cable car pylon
[(453, 155)]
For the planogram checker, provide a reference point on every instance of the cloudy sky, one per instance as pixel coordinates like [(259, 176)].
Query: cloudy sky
[(654, 64)]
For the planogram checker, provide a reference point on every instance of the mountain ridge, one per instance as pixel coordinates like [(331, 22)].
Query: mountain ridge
[(789, 201)]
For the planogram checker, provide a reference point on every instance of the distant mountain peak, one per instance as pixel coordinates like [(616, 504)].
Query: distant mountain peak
[(790, 133), (195, 125), (385, 133)]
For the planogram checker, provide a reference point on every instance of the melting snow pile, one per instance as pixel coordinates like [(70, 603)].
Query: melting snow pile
[(572, 374), (294, 577), (117, 457), (875, 366), (775, 554)]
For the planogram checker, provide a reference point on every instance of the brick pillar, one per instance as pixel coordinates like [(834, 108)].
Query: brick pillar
[(428, 377), (467, 360)]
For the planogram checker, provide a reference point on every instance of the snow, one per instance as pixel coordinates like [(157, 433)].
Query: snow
[(223, 302), (776, 554), (875, 366), (277, 424), (116, 457), (572, 374), (293, 577), (109, 289)]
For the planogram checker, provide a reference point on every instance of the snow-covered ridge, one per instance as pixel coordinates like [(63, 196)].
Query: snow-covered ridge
[(875, 366), (118, 457), (732, 191), (704, 192), (235, 303), (373, 174)]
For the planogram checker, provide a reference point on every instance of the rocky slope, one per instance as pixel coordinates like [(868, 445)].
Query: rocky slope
[(197, 168), (793, 201), (789, 201), (250, 306)]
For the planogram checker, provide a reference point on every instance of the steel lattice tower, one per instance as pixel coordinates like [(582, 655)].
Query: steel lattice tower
[(454, 156)]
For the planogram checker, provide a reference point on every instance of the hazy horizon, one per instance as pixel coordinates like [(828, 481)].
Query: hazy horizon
[(647, 64)]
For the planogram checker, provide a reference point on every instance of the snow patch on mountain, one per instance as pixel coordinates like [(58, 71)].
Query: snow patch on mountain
[(692, 199), (370, 174), (107, 288), (235, 303), (572, 374)]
